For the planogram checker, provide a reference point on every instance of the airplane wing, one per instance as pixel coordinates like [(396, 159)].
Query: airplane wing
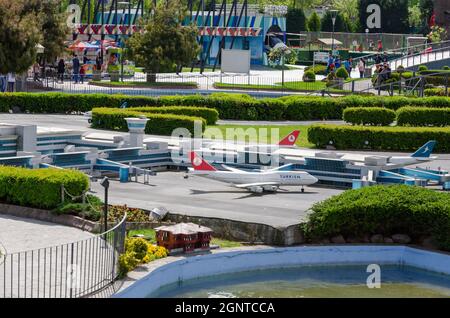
[(258, 184), (232, 169)]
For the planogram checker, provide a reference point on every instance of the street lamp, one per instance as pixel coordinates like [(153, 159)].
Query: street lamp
[(105, 184), (334, 14)]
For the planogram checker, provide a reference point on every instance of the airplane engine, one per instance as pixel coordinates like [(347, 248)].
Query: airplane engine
[(256, 189), (270, 188)]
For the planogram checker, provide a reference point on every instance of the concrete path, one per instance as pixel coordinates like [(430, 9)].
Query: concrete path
[(22, 234)]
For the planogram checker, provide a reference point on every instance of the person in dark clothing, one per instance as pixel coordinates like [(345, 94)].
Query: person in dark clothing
[(61, 70), (76, 68)]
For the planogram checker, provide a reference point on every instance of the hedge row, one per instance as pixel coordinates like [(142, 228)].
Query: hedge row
[(159, 124), (436, 92), (376, 116), (40, 188), (210, 115), (229, 106), (378, 138), (423, 116), (385, 210)]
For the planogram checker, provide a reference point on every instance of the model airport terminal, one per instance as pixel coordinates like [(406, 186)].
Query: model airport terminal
[(224, 149)]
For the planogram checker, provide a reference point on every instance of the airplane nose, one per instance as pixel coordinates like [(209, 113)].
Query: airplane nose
[(314, 180)]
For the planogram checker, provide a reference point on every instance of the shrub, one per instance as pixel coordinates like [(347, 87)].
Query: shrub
[(116, 213), (435, 92), (423, 116), (210, 115), (378, 138), (139, 251), (309, 76), (376, 116), (446, 68), (158, 124), (383, 210), (317, 69), (91, 210), (342, 73), (40, 188), (422, 68)]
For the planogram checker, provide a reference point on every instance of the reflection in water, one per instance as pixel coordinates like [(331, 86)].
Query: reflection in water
[(313, 282)]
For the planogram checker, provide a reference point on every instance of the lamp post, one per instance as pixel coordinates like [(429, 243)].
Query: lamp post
[(333, 19), (105, 184)]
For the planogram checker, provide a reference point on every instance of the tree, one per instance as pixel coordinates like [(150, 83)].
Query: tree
[(295, 21), (165, 43), (349, 11), (314, 23), (53, 27), (327, 23), (19, 35)]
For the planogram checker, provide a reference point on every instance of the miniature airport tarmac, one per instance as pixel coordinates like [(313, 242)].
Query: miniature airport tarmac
[(202, 197)]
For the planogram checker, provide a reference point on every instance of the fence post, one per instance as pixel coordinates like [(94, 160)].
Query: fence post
[(62, 194), (353, 86), (446, 84), (71, 268)]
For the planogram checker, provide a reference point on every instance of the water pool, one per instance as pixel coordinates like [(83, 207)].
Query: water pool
[(311, 282)]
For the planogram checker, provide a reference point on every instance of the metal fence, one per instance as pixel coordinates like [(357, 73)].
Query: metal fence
[(71, 270)]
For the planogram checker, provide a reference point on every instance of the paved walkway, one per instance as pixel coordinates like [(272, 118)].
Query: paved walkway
[(21, 234)]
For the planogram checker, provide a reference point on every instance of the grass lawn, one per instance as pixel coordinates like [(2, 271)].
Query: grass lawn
[(145, 84), (292, 86), (284, 130), (150, 235)]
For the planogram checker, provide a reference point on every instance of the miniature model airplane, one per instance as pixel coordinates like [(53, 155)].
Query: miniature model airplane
[(290, 140), (256, 182), (423, 154)]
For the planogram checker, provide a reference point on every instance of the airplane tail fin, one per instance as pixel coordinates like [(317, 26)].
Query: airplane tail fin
[(199, 164), (290, 139), (425, 151)]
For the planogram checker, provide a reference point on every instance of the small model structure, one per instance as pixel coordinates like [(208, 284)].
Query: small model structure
[(184, 237)]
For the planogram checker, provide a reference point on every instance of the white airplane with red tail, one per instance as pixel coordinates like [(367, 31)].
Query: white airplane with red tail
[(253, 181)]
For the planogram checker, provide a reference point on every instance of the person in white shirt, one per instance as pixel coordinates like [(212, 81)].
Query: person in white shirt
[(11, 82), (361, 68)]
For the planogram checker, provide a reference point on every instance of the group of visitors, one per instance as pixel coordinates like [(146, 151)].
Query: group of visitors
[(334, 63), (78, 68)]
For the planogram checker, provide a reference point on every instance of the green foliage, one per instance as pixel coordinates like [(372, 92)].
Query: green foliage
[(309, 76), (423, 116), (378, 138), (327, 23), (314, 24), (138, 251), (435, 92), (165, 43), (375, 116), (209, 114), (295, 20), (342, 73), (446, 68), (385, 210), (158, 124), (318, 69), (40, 188), (422, 68), (117, 212), (90, 211)]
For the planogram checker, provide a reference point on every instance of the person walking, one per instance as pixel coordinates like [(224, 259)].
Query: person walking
[(61, 70), (330, 63), (361, 68), (11, 78), (76, 68), (82, 74), (348, 64)]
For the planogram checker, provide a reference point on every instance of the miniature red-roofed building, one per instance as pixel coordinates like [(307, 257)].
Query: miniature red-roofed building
[(184, 237)]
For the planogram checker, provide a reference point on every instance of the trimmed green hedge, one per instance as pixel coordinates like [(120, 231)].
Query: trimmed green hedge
[(378, 138), (435, 92), (386, 210), (210, 115), (376, 116), (229, 106), (40, 188), (423, 116), (159, 124)]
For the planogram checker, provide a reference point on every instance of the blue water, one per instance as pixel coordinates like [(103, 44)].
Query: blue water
[(313, 282)]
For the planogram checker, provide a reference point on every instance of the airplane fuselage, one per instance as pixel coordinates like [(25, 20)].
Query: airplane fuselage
[(287, 178)]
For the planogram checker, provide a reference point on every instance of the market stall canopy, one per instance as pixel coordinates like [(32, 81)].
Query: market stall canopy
[(326, 42), (81, 46)]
